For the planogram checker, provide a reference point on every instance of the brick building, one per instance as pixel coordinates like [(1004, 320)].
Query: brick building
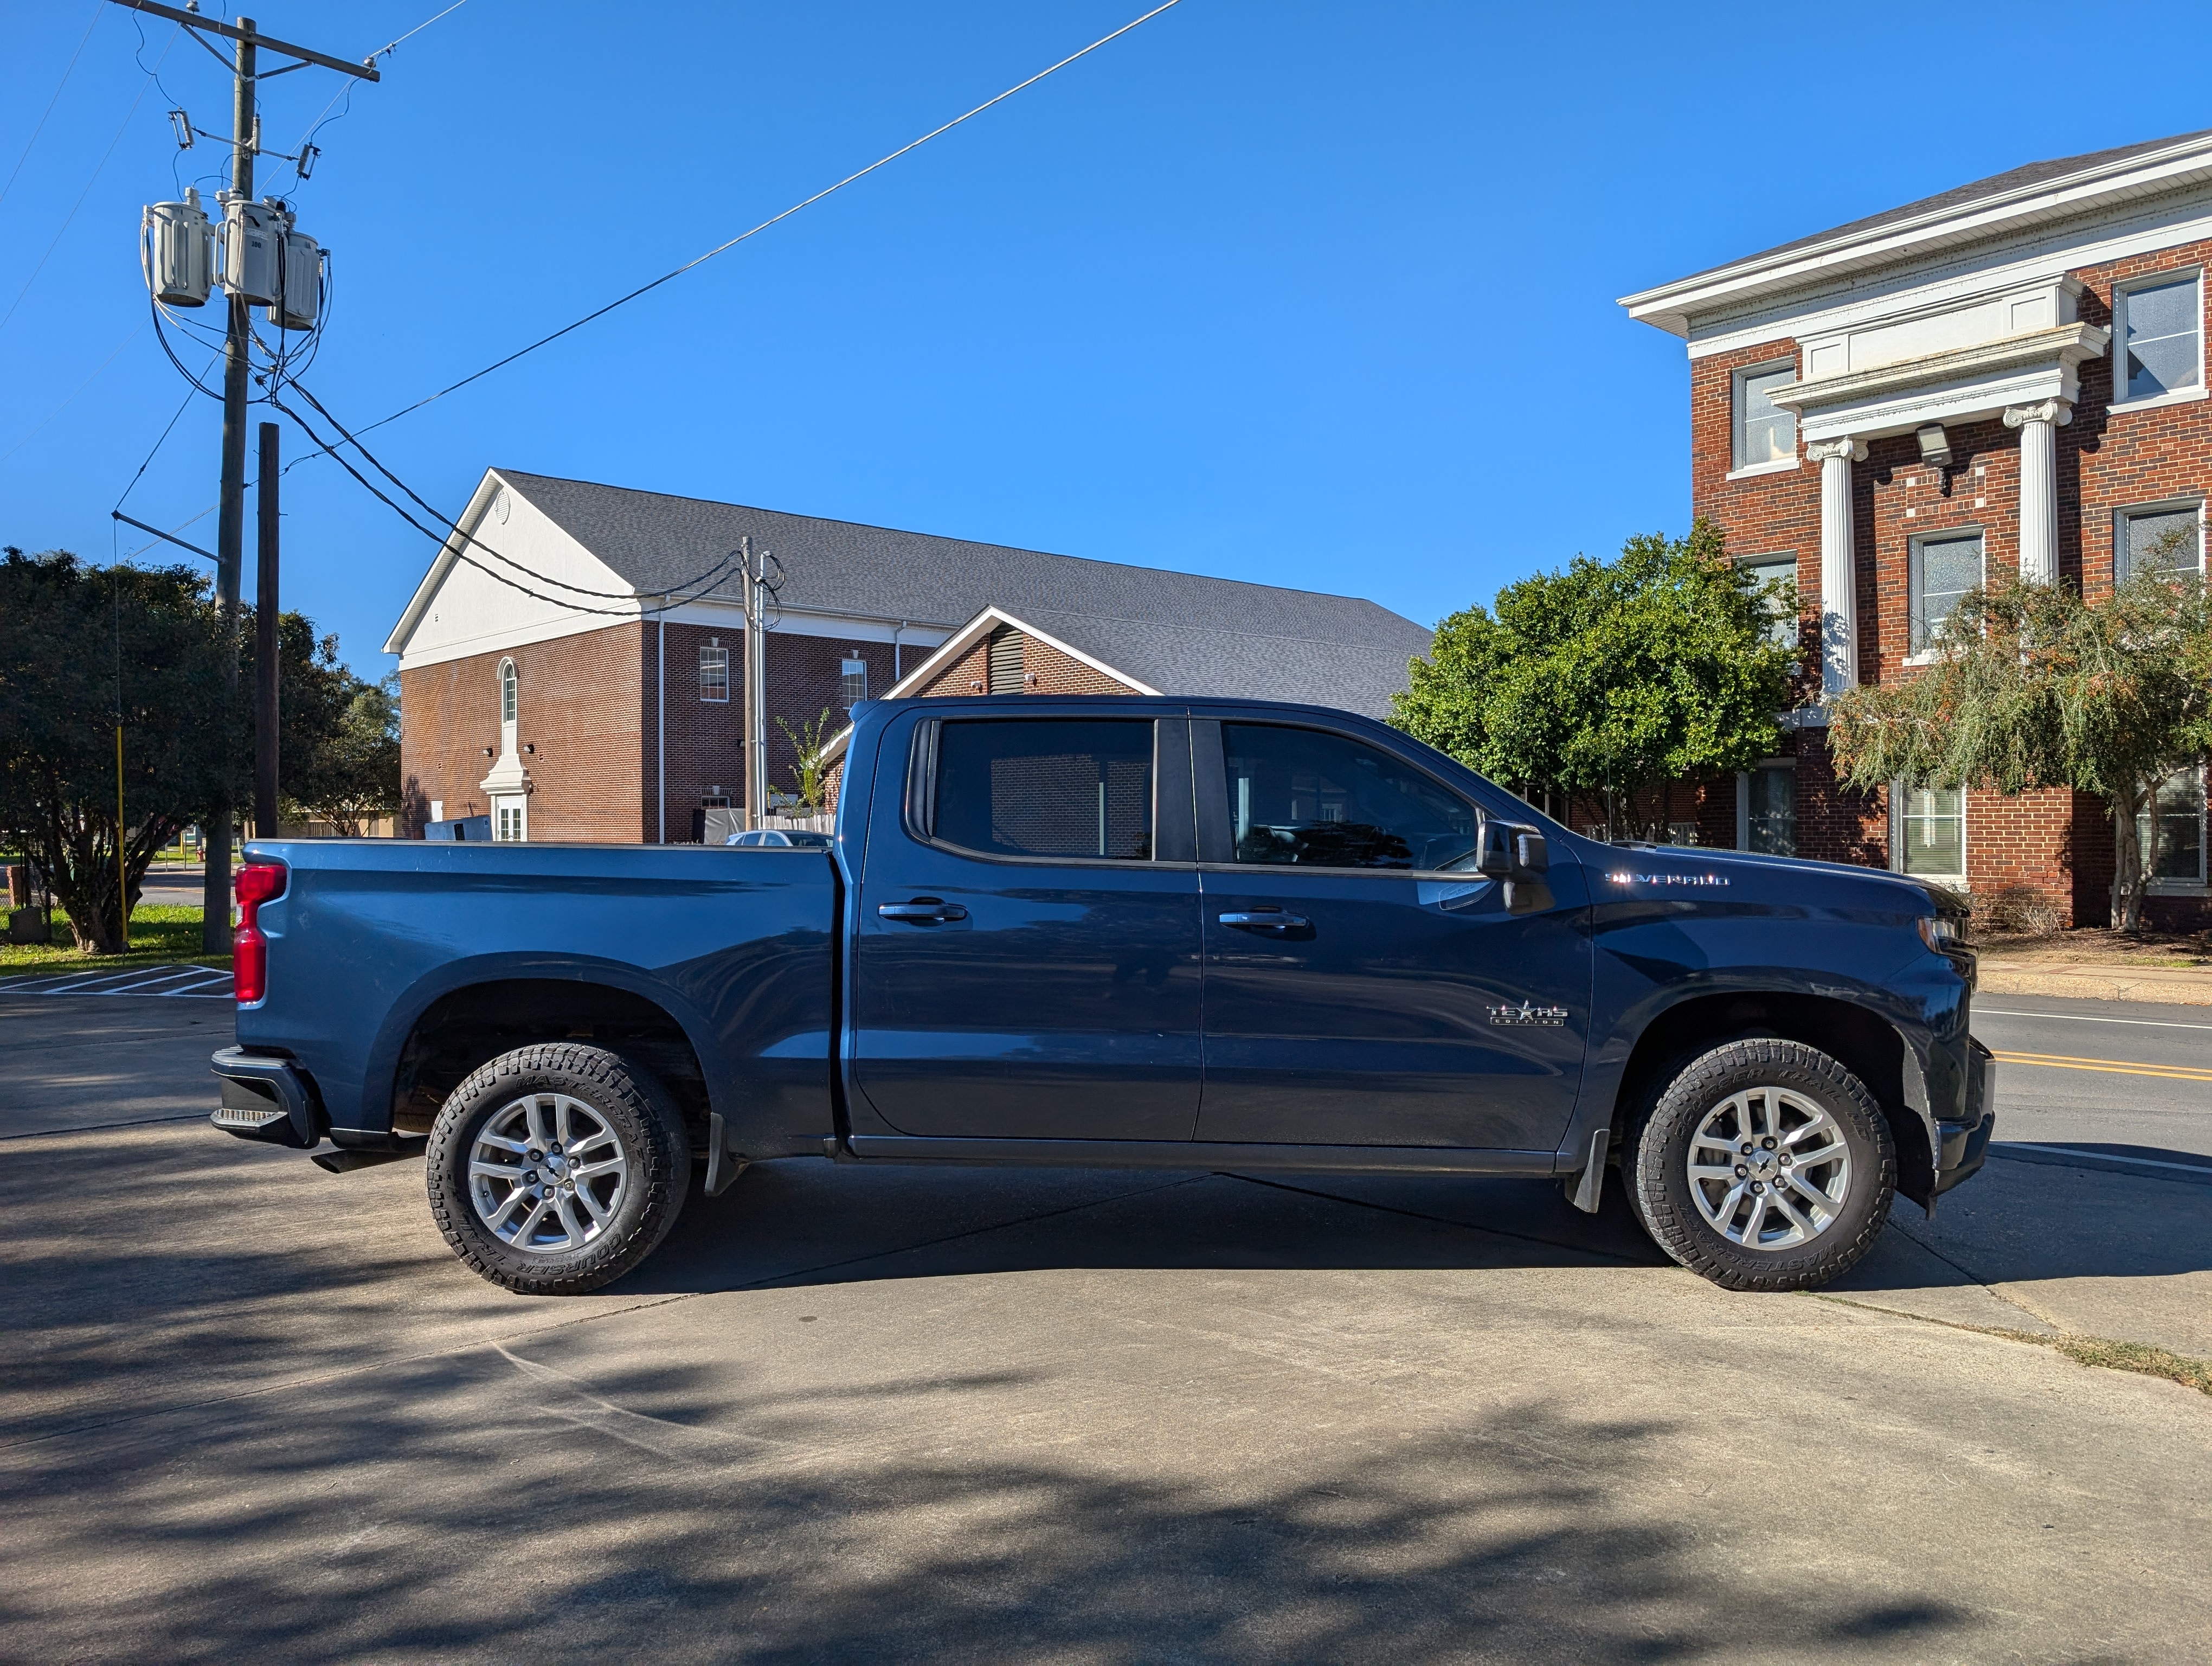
[(572, 664), (2010, 374)]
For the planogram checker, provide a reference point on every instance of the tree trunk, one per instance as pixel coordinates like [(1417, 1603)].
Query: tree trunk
[(2131, 865)]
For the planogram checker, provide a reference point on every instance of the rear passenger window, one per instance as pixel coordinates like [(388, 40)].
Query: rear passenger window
[(1307, 799), (1045, 786)]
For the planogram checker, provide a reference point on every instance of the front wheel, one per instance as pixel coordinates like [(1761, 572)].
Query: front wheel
[(1764, 1166), (557, 1169)]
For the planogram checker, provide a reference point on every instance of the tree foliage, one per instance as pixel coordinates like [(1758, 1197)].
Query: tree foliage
[(1610, 676), (81, 650), (2032, 686), (810, 775)]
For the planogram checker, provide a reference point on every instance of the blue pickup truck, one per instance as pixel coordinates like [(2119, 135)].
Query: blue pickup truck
[(1119, 932)]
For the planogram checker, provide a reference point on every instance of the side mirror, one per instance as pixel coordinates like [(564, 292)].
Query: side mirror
[(1506, 850)]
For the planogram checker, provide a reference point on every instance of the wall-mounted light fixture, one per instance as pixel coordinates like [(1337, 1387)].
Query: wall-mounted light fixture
[(1935, 445)]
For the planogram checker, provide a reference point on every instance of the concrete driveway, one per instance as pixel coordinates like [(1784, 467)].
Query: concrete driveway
[(252, 1411)]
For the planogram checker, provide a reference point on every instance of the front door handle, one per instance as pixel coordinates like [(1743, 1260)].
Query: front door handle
[(923, 910), (1266, 919)]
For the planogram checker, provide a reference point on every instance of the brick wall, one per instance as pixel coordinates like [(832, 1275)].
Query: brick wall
[(1045, 670), (570, 706)]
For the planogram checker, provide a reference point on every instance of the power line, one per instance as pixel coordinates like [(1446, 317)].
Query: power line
[(90, 24), (707, 580), (42, 422), (87, 192), (668, 599), (722, 248), (158, 444), (389, 47)]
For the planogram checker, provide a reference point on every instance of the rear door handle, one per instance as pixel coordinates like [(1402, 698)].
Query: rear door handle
[(923, 910), (1266, 919)]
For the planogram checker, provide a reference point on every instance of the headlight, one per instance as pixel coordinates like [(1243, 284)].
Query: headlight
[(1944, 932)]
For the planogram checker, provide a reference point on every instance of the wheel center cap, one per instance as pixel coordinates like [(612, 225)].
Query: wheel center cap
[(1763, 1165)]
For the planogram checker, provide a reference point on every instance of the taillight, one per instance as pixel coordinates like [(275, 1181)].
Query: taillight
[(258, 883)]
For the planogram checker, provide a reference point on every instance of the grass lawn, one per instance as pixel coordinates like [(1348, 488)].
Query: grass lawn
[(160, 935)]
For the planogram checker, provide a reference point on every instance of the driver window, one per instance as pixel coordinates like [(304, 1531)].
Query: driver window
[(1304, 798)]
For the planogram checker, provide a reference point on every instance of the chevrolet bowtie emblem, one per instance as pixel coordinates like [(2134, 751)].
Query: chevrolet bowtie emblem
[(1549, 1017)]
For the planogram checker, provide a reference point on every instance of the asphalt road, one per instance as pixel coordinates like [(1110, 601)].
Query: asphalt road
[(2131, 1079), (251, 1411)]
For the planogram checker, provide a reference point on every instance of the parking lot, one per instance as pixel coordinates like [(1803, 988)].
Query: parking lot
[(256, 1411)]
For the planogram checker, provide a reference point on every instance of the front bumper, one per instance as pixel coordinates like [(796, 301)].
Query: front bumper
[(267, 1099), (1962, 1146)]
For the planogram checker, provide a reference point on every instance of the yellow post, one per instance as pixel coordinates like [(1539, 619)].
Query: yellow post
[(122, 890)]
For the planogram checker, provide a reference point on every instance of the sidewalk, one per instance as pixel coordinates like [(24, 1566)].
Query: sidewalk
[(2087, 968)]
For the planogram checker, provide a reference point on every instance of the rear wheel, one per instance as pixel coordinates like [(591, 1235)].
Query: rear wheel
[(1764, 1165), (557, 1168)]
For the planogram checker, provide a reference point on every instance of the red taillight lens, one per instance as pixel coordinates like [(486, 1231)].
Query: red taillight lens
[(258, 883)]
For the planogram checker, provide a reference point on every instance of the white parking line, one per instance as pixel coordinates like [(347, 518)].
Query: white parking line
[(179, 983)]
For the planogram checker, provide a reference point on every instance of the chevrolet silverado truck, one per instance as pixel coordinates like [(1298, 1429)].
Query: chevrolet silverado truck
[(1122, 932)]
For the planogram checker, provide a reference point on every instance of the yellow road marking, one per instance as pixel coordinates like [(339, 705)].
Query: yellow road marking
[(2177, 1072)]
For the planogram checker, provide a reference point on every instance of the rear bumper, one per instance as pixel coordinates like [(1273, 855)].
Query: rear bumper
[(267, 1099), (1963, 1145)]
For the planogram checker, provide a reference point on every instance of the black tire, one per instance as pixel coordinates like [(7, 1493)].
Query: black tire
[(1656, 1165), (626, 1103)]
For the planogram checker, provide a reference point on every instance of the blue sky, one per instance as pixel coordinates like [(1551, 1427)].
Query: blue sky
[(1308, 295)]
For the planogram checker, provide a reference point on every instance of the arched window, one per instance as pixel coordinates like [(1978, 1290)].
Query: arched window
[(507, 691)]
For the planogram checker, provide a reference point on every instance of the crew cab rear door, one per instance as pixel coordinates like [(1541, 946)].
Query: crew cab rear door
[(1360, 991), (1027, 961)]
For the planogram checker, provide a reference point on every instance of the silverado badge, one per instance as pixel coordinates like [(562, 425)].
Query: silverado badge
[(1549, 1017)]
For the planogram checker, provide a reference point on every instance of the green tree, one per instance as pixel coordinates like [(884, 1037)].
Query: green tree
[(1611, 677), (66, 631), (2032, 686), (808, 774)]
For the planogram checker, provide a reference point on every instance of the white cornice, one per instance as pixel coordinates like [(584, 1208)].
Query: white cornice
[(2068, 344), (1672, 306), (1961, 385)]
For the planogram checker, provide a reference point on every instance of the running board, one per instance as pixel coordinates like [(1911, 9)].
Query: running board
[(1197, 1154)]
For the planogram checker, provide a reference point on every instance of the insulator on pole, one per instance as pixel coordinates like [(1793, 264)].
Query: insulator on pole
[(176, 251)]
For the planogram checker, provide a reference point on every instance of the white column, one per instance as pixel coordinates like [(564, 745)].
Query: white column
[(2038, 425), (1840, 607)]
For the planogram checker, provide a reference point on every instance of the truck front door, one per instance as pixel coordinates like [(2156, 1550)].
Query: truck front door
[(1362, 986), (1027, 964)]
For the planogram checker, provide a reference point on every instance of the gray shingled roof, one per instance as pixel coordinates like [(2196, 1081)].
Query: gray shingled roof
[(1176, 632), (1997, 185)]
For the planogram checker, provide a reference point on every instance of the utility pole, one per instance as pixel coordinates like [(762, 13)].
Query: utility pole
[(237, 366), (755, 670), (265, 644)]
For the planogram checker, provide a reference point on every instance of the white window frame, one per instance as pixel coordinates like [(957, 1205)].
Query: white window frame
[(510, 706), (706, 649), (2119, 344), (846, 672), (501, 803), (1743, 796), (2163, 506), (2197, 887), (1924, 656), (1738, 469), (1897, 789), (1793, 622)]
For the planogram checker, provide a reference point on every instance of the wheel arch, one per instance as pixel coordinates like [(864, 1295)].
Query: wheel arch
[(1864, 1042), (467, 1023)]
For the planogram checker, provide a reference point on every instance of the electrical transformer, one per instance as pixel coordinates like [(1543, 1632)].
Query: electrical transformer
[(250, 234), (300, 281), (176, 250)]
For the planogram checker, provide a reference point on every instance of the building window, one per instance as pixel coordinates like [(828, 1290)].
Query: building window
[(1765, 432), (2163, 535), (2176, 814), (510, 825), (1762, 573), (1944, 569), (853, 683), (2160, 327), (714, 672), (507, 693), (1931, 831), (1768, 800)]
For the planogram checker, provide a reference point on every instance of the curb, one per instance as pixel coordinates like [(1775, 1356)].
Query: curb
[(2144, 1168)]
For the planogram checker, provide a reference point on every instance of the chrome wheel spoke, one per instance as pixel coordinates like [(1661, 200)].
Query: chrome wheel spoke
[(1757, 1129), (540, 1218)]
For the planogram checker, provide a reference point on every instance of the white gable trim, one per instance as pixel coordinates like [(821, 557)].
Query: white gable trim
[(960, 642)]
